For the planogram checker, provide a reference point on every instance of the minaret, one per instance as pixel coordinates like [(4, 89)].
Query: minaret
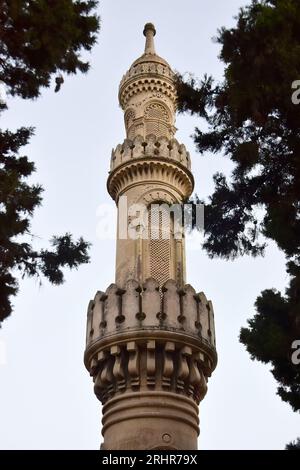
[(150, 337)]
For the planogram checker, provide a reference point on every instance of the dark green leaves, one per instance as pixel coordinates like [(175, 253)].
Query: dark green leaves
[(40, 38), (18, 201), (251, 118)]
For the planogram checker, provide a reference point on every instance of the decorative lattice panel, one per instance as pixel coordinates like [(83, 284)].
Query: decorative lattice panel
[(160, 248), (129, 118), (157, 128), (152, 127), (160, 260), (157, 111)]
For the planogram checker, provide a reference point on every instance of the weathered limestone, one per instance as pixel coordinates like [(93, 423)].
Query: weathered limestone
[(151, 166), (150, 357), (150, 344), (151, 146)]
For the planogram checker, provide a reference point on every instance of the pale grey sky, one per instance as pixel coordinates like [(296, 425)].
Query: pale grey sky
[(47, 399)]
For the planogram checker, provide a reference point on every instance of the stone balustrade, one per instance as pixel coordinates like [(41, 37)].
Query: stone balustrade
[(151, 146), (141, 338), (147, 68), (146, 307), (147, 77)]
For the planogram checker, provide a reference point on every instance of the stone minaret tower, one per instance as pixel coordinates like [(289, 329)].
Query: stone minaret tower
[(150, 337)]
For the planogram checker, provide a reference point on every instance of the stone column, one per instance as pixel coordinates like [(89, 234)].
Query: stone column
[(150, 357), (150, 338)]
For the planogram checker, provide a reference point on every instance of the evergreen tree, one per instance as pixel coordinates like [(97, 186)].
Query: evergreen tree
[(253, 118), (39, 40), (293, 445), (43, 38)]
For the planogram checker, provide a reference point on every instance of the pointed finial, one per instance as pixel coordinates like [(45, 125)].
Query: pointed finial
[(149, 32)]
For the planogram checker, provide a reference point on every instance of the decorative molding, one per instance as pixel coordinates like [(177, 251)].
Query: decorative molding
[(147, 76), (169, 354), (142, 171), (150, 365), (160, 147), (153, 85), (142, 306), (147, 68)]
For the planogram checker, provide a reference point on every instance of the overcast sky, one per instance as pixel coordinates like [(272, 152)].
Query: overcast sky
[(47, 399)]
